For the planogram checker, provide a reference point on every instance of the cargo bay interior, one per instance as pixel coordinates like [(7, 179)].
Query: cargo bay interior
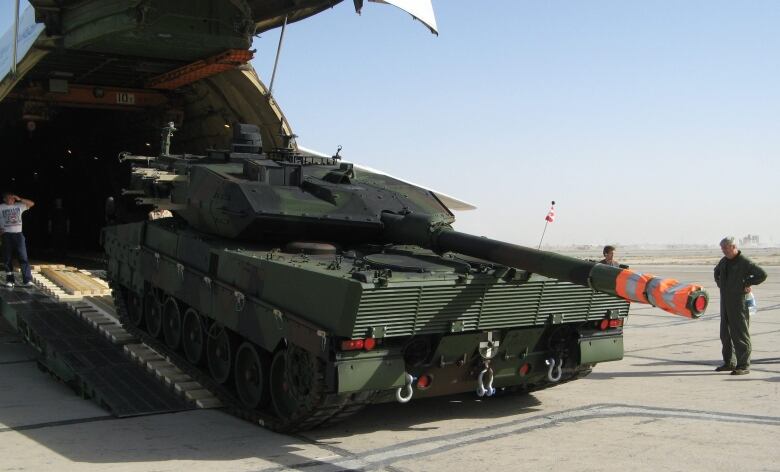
[(82, 93), (71, 156), (59, 144)]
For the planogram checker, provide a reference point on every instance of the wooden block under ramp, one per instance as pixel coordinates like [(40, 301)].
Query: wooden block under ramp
[(74, 282)]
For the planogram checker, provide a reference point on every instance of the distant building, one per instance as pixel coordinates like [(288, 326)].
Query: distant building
[(749, 240)]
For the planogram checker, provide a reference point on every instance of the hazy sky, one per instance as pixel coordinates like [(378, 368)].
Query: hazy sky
[(647, 122)]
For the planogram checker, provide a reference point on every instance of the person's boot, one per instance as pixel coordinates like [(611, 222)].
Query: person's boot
[(740, 371), (9, 279), (725, 368)]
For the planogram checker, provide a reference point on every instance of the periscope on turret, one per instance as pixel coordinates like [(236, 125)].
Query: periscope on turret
[(307, 288)]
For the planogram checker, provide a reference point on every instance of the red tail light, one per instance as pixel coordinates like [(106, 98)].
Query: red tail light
[(357, 344), (524, 369), (606, 324), (424, 381), (352, 344)]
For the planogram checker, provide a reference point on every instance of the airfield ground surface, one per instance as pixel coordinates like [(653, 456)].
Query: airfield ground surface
[(661, 408)]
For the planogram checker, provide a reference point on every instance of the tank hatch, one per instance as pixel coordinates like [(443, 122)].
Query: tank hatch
[(310, 247)]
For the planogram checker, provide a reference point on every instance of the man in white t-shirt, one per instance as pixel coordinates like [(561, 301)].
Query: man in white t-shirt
[(13, 239)]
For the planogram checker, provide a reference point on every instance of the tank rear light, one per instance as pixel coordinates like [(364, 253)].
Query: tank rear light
[(606, 324), (524, 369), (358, 344), (352, 344), (424, 381)]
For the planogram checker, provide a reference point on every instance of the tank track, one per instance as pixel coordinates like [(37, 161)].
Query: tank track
[(329, 409)]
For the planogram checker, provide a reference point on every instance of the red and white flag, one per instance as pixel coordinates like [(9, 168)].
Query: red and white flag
[(551, 214)]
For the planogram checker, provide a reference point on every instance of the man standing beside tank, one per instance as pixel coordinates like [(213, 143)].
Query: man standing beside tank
[(13, 239), (734, 275)]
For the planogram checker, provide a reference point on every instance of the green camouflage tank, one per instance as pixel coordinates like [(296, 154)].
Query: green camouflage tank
[(305, 288)]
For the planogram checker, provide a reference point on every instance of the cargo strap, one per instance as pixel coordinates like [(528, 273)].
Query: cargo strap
[(667, 294), (672, 296), (632, 285)]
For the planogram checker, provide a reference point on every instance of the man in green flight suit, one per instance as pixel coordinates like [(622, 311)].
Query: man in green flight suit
[(734, 275)]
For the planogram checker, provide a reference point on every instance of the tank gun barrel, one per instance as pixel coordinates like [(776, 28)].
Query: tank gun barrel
[(688, 300)]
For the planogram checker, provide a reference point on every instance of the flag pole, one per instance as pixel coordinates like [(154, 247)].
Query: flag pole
[(549, 218), (543, 231)]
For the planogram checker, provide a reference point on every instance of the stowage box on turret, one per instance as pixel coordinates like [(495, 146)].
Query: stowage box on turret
[(305, 288)]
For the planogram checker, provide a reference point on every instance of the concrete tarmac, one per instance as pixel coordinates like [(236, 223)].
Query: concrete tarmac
[(661, 408)]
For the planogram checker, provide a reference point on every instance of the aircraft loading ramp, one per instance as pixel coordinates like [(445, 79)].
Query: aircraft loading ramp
[(80, 342)]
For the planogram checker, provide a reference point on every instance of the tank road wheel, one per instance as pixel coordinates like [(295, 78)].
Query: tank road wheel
[(219, 352), (192, 339), (251, 375), (135, 309), (297, 379), (153, 315), (171, 323)]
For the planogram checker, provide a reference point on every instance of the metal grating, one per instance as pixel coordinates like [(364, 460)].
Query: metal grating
[(94, 365), (405, 311)]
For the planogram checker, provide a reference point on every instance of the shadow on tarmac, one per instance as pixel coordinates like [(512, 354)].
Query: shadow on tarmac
[(768, 360), (209, 435), (651, 373), (707, 368), (416, 414)]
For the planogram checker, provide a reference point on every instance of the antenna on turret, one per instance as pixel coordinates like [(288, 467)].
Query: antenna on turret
[(167, 133), (337, 156), (547, 220)]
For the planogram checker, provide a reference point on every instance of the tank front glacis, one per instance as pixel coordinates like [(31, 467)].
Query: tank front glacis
[(391, 321)]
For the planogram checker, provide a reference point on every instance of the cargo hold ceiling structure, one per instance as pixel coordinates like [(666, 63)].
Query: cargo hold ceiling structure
[(114, 55), (96, 77), (121, 53)]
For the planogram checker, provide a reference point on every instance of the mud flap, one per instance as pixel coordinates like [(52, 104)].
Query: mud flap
[(601, 349), (370, 374)]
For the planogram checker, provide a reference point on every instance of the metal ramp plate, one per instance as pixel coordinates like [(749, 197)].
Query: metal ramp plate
[(82, 358)]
